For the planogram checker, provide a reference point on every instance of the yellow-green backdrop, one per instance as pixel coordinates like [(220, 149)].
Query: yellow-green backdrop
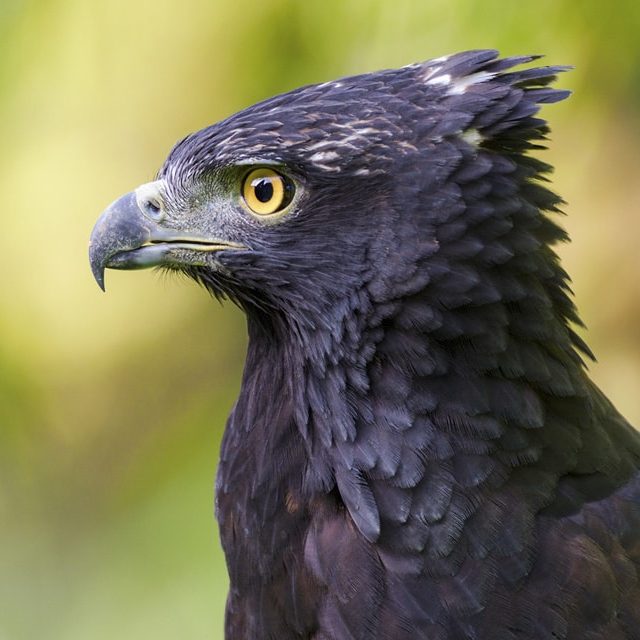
[(112, 406)]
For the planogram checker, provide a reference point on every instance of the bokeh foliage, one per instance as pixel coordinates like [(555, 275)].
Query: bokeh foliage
[(112, 407)]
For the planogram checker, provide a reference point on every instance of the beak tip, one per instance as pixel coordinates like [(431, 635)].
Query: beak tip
[(97, 269), (98, 274), (120, 228)]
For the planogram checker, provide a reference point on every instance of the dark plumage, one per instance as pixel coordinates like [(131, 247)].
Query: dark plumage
[(417, 451)]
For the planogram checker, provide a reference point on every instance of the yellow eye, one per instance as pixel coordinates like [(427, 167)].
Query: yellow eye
[(265, 191)]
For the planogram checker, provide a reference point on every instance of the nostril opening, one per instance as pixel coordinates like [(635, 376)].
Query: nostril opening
[(150, 201), (152, 208)]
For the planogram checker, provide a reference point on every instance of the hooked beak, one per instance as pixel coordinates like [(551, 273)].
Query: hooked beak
[(130, 235)]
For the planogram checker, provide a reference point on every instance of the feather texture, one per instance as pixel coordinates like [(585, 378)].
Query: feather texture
[(417, 451)]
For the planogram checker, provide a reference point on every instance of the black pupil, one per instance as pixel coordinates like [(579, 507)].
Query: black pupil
[(263, 189)]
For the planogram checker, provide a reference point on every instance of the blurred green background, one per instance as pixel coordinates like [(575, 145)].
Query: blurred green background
[(112, 407)]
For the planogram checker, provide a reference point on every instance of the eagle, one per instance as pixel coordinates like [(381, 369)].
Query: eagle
[(417, 451)]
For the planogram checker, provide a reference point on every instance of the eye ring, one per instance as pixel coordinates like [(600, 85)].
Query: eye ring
[(266, 192)]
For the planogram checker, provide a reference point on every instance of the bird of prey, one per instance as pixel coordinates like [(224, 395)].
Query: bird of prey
[(417, 451)]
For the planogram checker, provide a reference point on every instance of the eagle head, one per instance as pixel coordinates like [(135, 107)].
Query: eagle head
[(348, 194)]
